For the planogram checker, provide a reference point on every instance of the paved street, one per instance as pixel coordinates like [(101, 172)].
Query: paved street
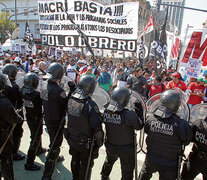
[(62, 170)]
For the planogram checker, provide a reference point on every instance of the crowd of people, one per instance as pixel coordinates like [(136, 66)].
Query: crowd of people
[(167, 132), (110, 74)]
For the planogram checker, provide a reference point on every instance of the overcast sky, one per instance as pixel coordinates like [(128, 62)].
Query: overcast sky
[(194, 18)]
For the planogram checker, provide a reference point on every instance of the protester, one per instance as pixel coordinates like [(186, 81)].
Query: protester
[(196, 91), (105, 80), (176, 82), (156, 86)]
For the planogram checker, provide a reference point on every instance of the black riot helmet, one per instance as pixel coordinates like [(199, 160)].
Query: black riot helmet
[(55, 71), (86, 85), (119, 99), (170, 103), (31, 81), (2, 81), (10, 70)]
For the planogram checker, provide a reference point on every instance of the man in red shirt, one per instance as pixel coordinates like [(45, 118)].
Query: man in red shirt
[(196, 92), (156, 87), (176, 82)]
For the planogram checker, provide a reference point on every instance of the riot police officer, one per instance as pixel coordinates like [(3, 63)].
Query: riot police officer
[(197, 159), (120, 124), (84, 130), (166, 133), (55, 104), (8, 116), (33, 105), (13, 94)]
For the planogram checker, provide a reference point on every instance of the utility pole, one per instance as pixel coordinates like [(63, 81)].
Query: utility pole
[(15, 13)]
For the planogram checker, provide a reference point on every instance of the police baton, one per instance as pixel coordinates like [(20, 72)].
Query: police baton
[(135, 155), (56, 135), (10, 133), (89, 159)]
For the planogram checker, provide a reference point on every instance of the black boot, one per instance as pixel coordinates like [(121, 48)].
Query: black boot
[(41, 151), (46, 178), (60, 158), (18, 157), (32, 167)]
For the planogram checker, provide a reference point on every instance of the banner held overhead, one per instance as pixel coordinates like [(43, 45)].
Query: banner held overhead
[(106, 27)]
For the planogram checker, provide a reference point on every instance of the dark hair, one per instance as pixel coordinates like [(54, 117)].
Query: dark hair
[(158, 78), (138, 69)]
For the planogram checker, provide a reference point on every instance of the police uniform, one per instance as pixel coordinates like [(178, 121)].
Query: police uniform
[(84, 124), (197, 160), (13, 94), (55, 104), (166, 133), (33, 105), (8, 116), (120, 124)]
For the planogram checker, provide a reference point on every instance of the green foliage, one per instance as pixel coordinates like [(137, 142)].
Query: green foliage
[(5, 28)]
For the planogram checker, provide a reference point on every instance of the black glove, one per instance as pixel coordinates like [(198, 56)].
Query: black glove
[(138, 109), (99, 136), (72, 86)]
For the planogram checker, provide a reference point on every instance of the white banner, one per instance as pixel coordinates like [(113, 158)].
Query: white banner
[(107, 27), (195, 47)]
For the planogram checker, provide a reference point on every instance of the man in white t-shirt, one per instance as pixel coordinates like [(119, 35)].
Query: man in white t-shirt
[(71, 70)]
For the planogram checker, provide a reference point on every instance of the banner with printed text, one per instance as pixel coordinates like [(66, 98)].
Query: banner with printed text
[(195, 47), (106, 27)]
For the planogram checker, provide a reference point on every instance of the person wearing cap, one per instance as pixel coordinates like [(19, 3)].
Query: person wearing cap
[(89, 72), (196, 91), (105, 80), (17, 63), (176, 82)]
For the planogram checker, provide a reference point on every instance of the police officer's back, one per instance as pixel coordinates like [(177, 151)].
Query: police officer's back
[(84, 127), (197, 159), (33, 105), (55, 103), (166, 133), (13, 94), (8, 116), (120, 124)]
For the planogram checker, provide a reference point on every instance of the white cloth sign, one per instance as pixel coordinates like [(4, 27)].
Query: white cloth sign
[(194, 68), (107, 27)]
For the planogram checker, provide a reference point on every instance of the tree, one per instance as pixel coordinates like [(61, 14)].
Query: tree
[(5, 28)]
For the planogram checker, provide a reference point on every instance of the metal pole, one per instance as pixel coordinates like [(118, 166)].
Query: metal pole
[(195, 9), (15, 13)]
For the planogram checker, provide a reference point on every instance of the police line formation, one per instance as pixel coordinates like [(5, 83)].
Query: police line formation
[(167, 133)]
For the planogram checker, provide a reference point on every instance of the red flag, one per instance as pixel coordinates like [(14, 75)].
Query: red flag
[(150, 26)]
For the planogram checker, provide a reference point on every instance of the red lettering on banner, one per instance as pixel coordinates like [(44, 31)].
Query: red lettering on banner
[(194, 43)]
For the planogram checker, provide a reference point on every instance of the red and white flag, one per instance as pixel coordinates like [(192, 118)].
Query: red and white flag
[(150, 26)]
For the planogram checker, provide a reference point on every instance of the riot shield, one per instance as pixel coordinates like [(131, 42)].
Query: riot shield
[(101, 97), (20, 79), (133, 98), (198, 111), (65, 81), (183, 111)]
